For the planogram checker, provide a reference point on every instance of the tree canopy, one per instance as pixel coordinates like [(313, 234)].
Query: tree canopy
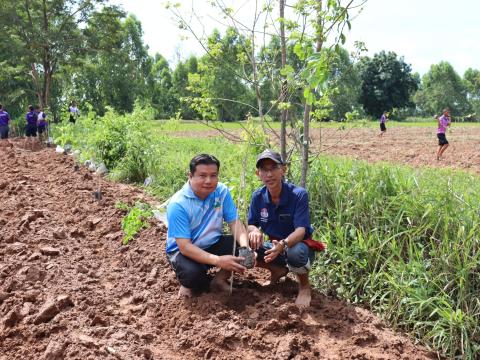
[(387, 82)]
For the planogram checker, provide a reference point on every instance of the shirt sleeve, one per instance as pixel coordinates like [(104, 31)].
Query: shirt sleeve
[(253, 213), (178, 222), (301, 216), (229, 209)]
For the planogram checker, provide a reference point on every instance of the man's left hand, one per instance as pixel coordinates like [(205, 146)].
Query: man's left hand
[(272, 253)]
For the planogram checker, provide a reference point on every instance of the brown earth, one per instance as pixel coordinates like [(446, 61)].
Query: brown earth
[(414, 146), (70, 290)]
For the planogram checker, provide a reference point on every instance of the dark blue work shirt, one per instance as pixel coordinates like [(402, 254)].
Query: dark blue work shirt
[(279, 221)]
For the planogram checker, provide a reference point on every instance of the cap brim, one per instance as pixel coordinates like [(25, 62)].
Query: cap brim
[(269, 158)]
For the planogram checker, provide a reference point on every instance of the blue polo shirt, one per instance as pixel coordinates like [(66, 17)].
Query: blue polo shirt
[(201, 221), (279, 221), (4, 118)]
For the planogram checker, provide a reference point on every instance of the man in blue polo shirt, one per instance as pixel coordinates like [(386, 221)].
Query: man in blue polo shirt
[(195, 216), (280, 210), (4, 120)]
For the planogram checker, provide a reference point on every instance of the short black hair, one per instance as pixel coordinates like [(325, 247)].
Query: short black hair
[(1, 106), (30, 107), (203, 159)]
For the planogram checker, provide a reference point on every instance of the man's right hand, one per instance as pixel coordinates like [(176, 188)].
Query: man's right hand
[(255, 239), (231, 263)]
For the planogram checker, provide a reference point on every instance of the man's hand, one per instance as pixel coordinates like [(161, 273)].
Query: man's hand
[(272, 253), (255, 238), (231, 263)]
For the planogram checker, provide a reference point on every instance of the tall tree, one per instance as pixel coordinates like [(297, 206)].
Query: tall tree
[(343, 85), (471, 80), (50, 33), (217, 83), (387, 83), (162, 96), (181, 90), (116, 70), (442, 87), (16, 90)]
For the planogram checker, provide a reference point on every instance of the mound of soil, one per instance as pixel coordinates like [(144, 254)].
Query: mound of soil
[(70, 290)]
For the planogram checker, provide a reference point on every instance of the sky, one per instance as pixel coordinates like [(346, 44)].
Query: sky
[(423, 32)]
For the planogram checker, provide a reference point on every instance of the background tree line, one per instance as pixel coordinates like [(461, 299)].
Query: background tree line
[(57, 51)]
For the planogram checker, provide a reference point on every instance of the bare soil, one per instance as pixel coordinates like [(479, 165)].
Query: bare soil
[(70, 290), (415, 146)]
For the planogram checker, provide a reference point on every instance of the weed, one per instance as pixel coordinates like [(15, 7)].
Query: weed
[(135, 220)]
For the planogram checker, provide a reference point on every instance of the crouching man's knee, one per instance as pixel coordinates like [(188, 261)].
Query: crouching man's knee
[(189, 273), (300, 258)]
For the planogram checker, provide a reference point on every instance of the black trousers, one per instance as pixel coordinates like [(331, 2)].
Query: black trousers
[(192, 274)]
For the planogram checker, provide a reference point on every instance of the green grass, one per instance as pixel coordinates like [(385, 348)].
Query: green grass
[(403, 242), (169, 126), (193, 125)]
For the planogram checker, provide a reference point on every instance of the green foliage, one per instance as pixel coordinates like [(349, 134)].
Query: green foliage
[(181, 88), (472, 84), (123, 143), (136, 219), (406, 243), (442, 87), (219, 91), (42, 47), (386, 82)]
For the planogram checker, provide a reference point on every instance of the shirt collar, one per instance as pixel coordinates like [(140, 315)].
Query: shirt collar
[(283, 195), (187, 191)]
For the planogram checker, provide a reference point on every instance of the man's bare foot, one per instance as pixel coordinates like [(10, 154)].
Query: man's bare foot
[(219, 285), (184, 292), (276, 273), (304, 297)]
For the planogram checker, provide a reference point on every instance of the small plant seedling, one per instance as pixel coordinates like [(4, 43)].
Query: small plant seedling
[(135, 220)]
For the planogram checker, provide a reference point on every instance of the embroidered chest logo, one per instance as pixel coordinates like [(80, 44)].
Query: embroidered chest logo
[(264, 215), (216, 203)]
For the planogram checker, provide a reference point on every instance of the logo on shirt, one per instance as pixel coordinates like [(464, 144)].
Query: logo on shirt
[(263, 215), (216, 203)]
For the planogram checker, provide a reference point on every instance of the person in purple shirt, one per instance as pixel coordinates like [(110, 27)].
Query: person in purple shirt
[(4, 120), (31, 128), (443, 122), (383, 120), (42, 124)]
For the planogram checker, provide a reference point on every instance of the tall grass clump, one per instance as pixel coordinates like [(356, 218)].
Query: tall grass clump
[(406, 243)]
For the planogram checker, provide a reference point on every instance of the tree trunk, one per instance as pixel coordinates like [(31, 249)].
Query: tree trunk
[(283, 89), (36, 83), (305, 144), (308, 107)]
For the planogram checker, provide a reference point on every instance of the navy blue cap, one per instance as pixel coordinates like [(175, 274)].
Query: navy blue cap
[(269, 154)]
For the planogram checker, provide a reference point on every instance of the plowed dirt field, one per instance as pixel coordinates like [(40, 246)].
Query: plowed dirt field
[(70, 290)]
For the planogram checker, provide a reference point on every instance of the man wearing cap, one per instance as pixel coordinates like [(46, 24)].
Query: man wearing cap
[(280, 210), (195, 216)]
